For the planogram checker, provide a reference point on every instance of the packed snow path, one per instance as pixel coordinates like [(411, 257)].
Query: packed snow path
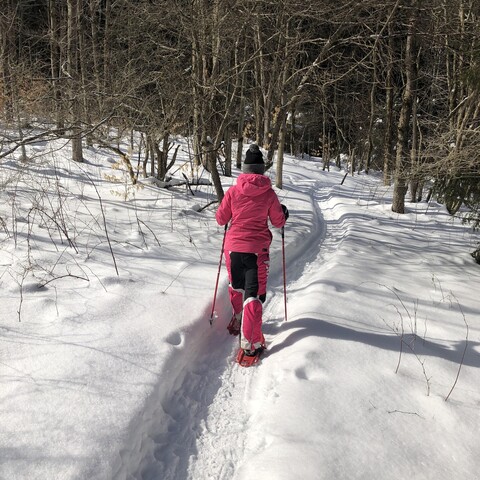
[(326, 401), (209, 422), (122, 378)]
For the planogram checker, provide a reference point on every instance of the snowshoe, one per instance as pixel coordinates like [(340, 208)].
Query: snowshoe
[(234, 326), (247, 358)]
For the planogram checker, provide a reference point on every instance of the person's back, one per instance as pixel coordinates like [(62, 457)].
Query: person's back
[(249, 205)]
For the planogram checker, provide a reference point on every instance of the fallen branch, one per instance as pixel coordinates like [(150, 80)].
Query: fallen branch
[(405, 413), (41, 285)]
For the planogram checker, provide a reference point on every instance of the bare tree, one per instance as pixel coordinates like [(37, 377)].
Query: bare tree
[(403, 131)]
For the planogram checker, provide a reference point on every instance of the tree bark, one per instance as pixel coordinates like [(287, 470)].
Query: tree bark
[(402, 155), (388, 136), (280, 155), (73, 33)]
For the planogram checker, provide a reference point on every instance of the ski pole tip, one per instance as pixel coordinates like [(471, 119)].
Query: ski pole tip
[(213, 317)]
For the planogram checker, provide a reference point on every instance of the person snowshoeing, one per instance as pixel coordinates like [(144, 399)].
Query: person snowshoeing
[(248, 205)]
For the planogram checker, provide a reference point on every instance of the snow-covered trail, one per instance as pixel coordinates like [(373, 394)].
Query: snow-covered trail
[(203, 427), (232, 433), (122, 377), (327, 383)]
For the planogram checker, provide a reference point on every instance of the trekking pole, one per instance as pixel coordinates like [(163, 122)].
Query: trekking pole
[(218, 276), (284, 273)]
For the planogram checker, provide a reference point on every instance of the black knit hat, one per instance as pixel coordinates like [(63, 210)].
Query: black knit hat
[(253, 162)]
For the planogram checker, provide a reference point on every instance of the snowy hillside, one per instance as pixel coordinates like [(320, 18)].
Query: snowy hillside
[(120, 376)]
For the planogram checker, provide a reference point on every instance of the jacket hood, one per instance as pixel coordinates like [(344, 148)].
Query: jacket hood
[(251, 184)]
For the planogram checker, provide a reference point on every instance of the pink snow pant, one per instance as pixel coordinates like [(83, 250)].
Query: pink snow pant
[(248, 273)]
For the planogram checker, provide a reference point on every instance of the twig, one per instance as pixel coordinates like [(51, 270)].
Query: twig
[(104, 220), (188, 184), (41, 285), (464, 351), (402, 340), (405, 413), (61, 228), (176, 277), (151, 231), (207, 205)]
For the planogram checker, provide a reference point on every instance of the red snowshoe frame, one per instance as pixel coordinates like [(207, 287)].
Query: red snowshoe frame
[(245, 360)]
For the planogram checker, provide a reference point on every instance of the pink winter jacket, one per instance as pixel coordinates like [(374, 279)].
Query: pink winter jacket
[(249, 204)]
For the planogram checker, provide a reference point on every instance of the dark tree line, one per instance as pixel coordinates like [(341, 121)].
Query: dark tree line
[(395, 86)]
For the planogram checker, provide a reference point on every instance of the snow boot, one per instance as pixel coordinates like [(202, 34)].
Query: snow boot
[(247, 358)]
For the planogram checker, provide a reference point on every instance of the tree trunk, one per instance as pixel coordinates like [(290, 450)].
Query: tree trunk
[(371, 123), (402, 156), (212, 161), (414, 154), (388, 136), (7, 58), (73, 15), (325, 158), (228, 151), (352, 162), (162, 156), (54, 36), (106, 44), (241, 122), (280, 155), (240, 139)]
